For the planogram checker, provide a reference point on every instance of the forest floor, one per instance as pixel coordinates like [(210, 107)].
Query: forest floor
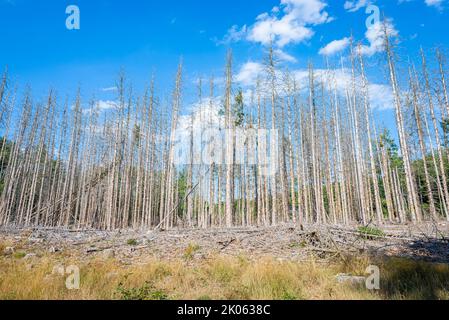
[(285, 262)]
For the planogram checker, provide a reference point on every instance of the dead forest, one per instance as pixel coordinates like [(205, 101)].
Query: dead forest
[(66, 164)]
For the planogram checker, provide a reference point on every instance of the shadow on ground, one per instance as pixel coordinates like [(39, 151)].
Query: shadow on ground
[(419, 271)]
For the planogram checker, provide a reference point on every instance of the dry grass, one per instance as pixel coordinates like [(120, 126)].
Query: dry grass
[(217, 278)]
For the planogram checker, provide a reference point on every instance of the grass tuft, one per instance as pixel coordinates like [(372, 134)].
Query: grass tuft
[(132, 242)]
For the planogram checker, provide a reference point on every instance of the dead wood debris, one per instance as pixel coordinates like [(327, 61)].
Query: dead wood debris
[(282, 242)]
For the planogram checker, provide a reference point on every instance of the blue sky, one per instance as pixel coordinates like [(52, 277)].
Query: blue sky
[(146, 37)]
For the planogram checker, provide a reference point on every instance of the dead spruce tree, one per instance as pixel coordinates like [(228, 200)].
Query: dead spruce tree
[(76, 163)]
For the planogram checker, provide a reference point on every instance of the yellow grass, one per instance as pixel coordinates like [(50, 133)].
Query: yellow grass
[(217, 277)]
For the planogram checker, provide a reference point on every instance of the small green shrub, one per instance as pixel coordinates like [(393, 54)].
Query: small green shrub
[(19, 255), (191, 250), (370, 232), (287, 295), (146, 292), (299, 245)]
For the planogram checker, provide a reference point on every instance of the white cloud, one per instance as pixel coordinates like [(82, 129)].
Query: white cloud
[(289, 23), (434, 3), (282, 32), (108, 89), (430, 3), (249, 72), (334, 47), (283, 56), (381, 95), (376, 37), (293, 25), (355, 5), (203, 115), (340, 80), (234, 34), (101, 105), (106, 105)]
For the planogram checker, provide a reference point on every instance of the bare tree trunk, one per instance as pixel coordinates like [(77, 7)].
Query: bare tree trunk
[(411, 188), (229, 146)]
